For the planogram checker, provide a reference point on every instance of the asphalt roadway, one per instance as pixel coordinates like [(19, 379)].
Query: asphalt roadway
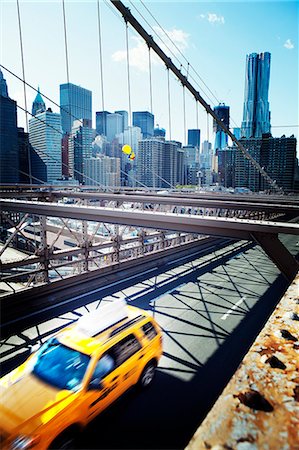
[(210, 309)]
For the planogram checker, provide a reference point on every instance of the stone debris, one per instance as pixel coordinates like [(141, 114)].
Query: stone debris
[(259, 408)]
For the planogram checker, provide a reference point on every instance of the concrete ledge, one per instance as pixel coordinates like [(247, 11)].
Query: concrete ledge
[(259, 408)]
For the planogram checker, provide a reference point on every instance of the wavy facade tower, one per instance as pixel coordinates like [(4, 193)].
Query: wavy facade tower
[(256, 114)]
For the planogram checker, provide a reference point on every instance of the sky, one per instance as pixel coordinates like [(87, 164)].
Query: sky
[(209, 43)]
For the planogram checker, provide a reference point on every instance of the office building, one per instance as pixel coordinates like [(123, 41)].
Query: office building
[(180, 167), (102, 171), (159, 132), (32, 168), (75, 103), (256, 113), (125, 118), (169, 165), (9, 161), (38, 105), (45, 137), (114, 126), (221, 138), (145, 121), (149, 163), (101, 122), (194, 138), (276, 155), (79, 147), (226, 166), (3, 86)]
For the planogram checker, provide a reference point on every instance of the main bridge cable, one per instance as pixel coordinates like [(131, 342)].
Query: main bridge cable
[(177, 48), (128, 17), (183, 56)]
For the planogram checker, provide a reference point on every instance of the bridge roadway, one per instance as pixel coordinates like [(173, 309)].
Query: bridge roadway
[(210, 307)]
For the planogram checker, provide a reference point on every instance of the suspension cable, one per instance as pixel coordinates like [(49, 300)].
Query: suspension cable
[(128, 17), (169, 105), (42, 93), (101, 54), (65, 43), (184, 116), (24, 86), (150, 79), (128, 73)]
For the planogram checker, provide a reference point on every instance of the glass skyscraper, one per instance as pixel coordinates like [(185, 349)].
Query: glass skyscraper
[(75, 103), (256, 114), (221, 140), (45, 138), (145, 121), (9, 161), (194, 138)]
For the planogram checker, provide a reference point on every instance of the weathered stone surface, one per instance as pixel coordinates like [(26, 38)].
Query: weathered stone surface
[(259, 408)]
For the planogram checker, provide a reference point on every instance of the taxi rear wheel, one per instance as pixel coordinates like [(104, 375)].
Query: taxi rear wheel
[(147, 375), (65, 441)]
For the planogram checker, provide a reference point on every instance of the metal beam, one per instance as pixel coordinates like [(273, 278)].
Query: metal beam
[(185, 201), (278, 253), (234, 228)]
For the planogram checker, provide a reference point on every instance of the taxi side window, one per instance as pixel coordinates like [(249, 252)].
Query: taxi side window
[(149, 330), (125, 348), (104, 366)]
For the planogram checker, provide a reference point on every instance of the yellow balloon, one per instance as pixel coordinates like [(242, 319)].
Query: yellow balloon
[(126, 149)]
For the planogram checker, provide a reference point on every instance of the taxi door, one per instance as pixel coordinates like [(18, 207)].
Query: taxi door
[(114, 373), (103, 387)]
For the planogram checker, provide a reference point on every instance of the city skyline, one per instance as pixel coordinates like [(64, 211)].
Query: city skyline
[(224, 74)]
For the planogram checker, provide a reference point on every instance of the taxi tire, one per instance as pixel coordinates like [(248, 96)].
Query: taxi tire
[(147, 375), (65, 441)]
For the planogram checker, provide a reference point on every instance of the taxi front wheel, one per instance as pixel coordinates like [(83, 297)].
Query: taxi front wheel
[(147, 375)]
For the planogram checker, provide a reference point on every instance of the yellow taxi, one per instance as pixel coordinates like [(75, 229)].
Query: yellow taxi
[(75, 375)]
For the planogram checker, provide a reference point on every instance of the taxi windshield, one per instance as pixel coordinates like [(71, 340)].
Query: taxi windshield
[(60, 366)]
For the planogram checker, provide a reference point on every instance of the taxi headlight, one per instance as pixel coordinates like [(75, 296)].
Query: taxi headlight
[(24, 442)]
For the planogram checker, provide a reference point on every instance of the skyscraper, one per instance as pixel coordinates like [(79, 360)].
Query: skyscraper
[(144, 120), (149, 163), (114, 126), (38, 104), (75, 103), (9, 162), (79, 147), (101, 122), (222, 111), (256, 114), (194, 138), (125, 118), (45, 138)]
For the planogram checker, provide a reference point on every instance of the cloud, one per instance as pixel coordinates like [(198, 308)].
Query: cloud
[(138, 54), (212, 18), (288, 44)]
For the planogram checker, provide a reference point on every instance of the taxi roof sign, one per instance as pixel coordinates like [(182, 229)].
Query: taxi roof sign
[(104, 317)]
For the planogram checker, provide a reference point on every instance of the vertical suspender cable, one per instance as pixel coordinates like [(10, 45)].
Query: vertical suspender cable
[(24, 87), (150, 79), (128, 74), (208, 127), (101, 55), (169, 106), (184, 115), (67, 68), (65, 43)]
